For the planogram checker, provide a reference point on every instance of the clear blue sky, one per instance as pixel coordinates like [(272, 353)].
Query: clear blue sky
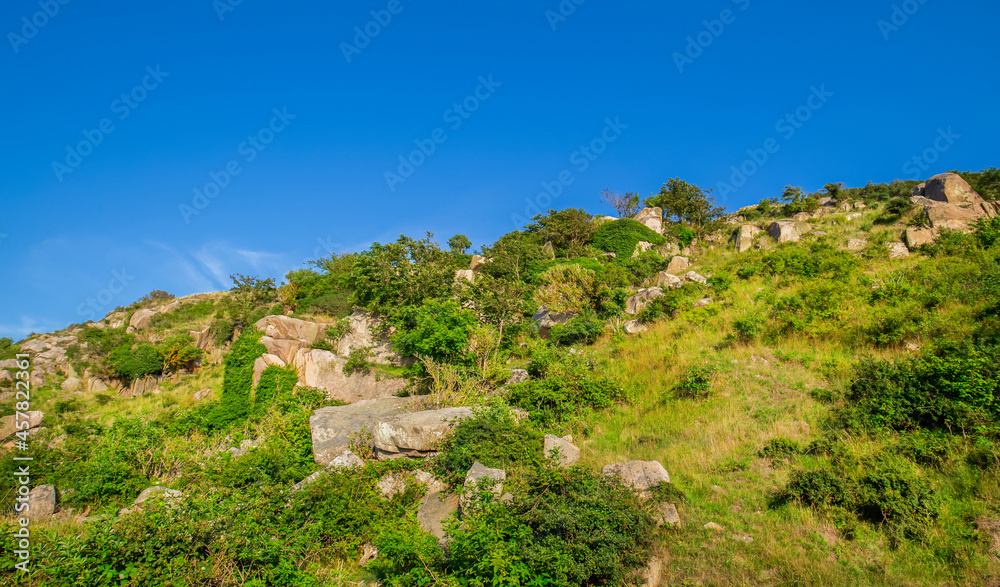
[(548, 86)]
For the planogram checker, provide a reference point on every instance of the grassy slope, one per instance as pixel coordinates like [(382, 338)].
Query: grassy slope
[(711, 449)]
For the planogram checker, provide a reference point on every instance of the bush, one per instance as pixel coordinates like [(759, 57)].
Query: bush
[(749, 326), (781, 448), (8, 350), (820, 487), (583, 329), (274, 382), (696, 382), (358, 361), (130, 364), (663, 306), (569, 385), (438, 328), (621, 236), (567, 288), (494, 439)]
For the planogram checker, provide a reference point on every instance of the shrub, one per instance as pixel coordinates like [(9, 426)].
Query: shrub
[(663, 306), (621, 236), (237, 380), (567, 288), (222, 330), (274, 382), (781, 448), (494, 439), (696, 382), (438, 328), (684, 235), (749, 326), (569, 385), (358, 361), (8, 350), (583, 329), (130, 364)]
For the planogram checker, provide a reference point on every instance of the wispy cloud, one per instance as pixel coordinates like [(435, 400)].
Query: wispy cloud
[(27, 326)]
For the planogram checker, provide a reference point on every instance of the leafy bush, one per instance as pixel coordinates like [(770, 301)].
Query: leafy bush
[(438, 328), (569, 385), (358, 361), (568, 230), (821, 487), (583, 329), (130, 364), (696, 382), (956, 390), (781, 448), (274, 382), (567, 288), (8, 350), (749, 326), (621, 236), (494, 439), (663, 306), (684, 235), (237, 381), (814, 260)]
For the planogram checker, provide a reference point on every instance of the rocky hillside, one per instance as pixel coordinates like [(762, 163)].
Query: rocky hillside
[(818, 376)]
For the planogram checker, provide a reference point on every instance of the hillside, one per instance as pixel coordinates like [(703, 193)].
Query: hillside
[(804, 392)]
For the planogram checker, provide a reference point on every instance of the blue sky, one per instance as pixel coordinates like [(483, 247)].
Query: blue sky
[(117, 112)]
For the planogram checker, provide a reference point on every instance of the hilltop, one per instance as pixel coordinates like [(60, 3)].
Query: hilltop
[(805, 391)]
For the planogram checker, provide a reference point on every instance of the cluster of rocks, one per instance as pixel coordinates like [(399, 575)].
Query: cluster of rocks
[(949, 202), (477, 263), (289, 341)]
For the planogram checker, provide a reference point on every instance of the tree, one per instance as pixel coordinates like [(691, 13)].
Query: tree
[(686, 203), (250, 291), (459, 243), (797, 201), (627, 205), (569, 230), (512, 255), (438, 328), (832, 189), (388, 278)]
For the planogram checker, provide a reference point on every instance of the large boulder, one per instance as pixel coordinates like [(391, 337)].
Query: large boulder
[(784, 231), (955, 217), (745, 237), (363, 333), (283, 348), (568, 453), (638, 475), (334, 428), (478, 478), (142, 319), (897, 250), (696, 277), (41, 502), (652, 218), (666, 280), (952, 189), (546, 320), (8, 424), (325, 370), (466, 274), (634, 327), (856, 244), (283, 327), (417, 433), (678, 265), (434, 510), (641, 299), (477, 262), (71, 384), (916, 237)]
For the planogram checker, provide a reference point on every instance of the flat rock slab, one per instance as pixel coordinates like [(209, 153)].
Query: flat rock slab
[(639, 475), (333, 428), (434, 510), (419, 431), (567, 451)]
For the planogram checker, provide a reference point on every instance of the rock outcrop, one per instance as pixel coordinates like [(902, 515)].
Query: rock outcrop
[(638, 475), (652, 218), (546, 320), (480, 478), (666, 280), (334, 428), (364, 332), (950, 202), (784, 231), (286, 328), (567, 453), (325, 370), (916, 237), (416, 434), (745, 237), (641, 299), (678, 265), (41, 502), (262, 363)]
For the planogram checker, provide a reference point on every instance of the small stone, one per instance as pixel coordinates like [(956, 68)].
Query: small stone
[(713, 526), (667, 515)]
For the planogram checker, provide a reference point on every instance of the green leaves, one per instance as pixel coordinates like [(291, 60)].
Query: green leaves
[(438, 328)]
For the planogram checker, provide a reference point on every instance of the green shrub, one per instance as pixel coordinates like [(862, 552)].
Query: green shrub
[(621, 236), (9, 350), (494, 439), (821, 487), (696, 382), (358, 361), (237, 380), (749, 326), (274, 382), (569, 385), (438, 328), (583, 329), (130, 364), (663, 306), (222, 331), (781, 448), (684, 235)]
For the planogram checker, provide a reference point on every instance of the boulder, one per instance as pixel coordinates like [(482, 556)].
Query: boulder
[(668, 281), (678, 265), (8, 424), (417, 433), (546, 320), (142, 319), (261, 365), (918, 190), (325, 370), (641, 247), (952, 189), (97, 385), (283, 327), (41, 502), (634, 327), (783, 231), (641, 299), (284, 349), (856, 244), (567, 453), (35, 346), (479, 477), (144, 385), (466, 274), (638, 475), (434, 510), (955, 217), (392, 484), (745, 237), (845, 207), (666, 515), (897, 250), (363, 333), (852, 217), (201, 337), (651, 575), (696, 277), (157, 492), (333, 428), (477, 262), (518, 376), (72, 384), (916, 237), (802, 217), (703, 303), (652, 218), (860, 205)]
